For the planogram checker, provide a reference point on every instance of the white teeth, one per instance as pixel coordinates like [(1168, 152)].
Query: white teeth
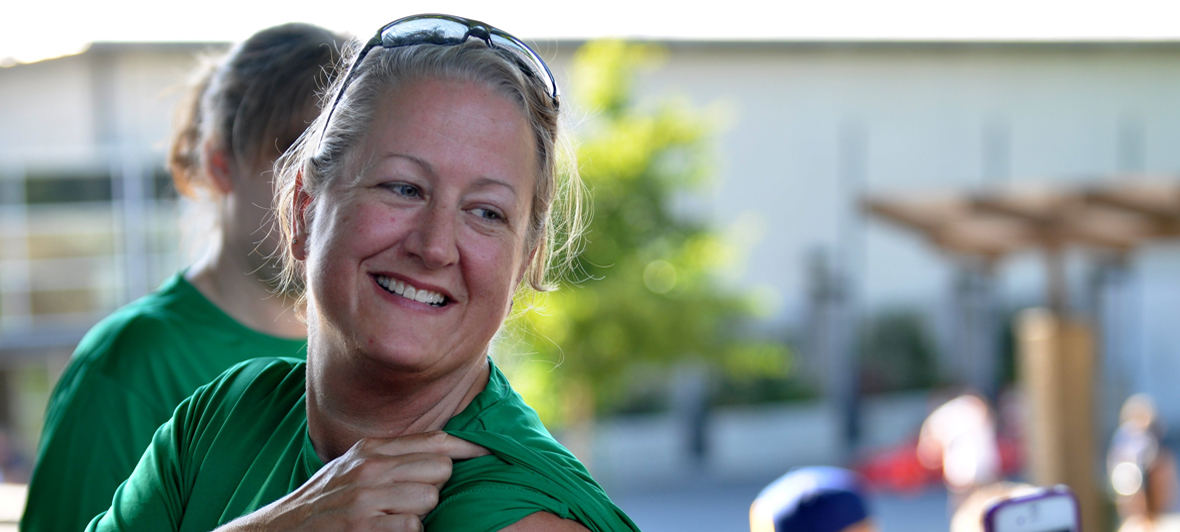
[(409, 292)]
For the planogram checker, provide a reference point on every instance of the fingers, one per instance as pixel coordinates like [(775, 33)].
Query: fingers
[(380, 484), (368, 467), (397, 499), (398, 523), (423, 468), (437, 442), (398, 476)]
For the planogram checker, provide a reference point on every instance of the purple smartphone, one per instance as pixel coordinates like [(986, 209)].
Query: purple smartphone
[(1048, 510)]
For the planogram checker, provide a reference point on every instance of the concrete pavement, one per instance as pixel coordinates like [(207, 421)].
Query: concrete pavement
[(704, 505)]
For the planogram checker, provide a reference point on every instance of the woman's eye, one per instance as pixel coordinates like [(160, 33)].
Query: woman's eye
[(487, 214), (402, 189)]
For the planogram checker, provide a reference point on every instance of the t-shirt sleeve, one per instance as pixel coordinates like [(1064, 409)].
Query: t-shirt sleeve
[(485, 494), (152, 498), (163, 490), (96, 433)]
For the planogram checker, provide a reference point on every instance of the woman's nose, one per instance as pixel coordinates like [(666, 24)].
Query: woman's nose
[(433, 238)]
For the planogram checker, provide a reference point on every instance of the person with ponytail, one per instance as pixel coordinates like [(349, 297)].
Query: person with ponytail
[(128, 374)]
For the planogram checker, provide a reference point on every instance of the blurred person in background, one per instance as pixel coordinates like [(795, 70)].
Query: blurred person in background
[(132, 369), (14, 465), (1142, 471), (813, 499), (959, 438), (426, 195)]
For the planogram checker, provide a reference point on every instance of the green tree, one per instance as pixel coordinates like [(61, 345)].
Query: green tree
[(647, 293)]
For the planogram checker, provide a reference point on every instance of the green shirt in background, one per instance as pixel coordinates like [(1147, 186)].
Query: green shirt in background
[(126, 377), (241, 442)]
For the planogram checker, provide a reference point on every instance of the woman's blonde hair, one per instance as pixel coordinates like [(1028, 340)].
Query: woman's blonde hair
[(557, 215)]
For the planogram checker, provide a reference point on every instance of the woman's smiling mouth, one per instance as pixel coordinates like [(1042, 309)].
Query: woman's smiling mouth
[(407, 291)]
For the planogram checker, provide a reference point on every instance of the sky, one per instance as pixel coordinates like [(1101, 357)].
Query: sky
[(32, 30)]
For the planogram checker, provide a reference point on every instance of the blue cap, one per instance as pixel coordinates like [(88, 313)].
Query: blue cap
[(811, 499)]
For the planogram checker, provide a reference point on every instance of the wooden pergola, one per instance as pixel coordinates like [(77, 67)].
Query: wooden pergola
[(1117, 214), (1058, 357)]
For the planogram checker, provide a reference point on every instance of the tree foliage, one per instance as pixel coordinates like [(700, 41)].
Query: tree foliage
[(647, 293)]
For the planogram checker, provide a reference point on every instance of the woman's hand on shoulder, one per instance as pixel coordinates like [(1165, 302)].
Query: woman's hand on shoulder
[(545, 522), (379, 484)]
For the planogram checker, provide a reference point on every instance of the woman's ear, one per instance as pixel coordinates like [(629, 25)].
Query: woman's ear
[(301, 200), (219, 167), (524, 267)]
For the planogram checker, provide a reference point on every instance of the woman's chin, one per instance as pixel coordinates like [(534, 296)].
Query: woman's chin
[(422, 363)]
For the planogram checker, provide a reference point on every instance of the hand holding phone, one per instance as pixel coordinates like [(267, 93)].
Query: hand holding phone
[(1047, 510)]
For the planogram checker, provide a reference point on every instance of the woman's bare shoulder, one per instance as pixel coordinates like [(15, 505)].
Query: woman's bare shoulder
[(545, 522)]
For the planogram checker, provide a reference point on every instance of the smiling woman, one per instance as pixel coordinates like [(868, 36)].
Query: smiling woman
[(425, 200), (439, 206)]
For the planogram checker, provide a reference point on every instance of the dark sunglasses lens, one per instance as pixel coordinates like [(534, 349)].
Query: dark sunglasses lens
[(446, 31), (528, 57), (424, 30)]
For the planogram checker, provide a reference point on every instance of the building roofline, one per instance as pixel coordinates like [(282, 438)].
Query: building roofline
[(811, 44)]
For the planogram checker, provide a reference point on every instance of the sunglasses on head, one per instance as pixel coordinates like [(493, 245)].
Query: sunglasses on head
[(449, 30)]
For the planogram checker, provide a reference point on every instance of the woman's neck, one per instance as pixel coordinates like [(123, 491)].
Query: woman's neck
[(230, 285), (369, 401)]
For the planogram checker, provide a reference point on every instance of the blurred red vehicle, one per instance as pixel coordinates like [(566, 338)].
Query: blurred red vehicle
[(897, 468)]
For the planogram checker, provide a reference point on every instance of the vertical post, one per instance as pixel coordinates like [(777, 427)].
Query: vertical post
[(1055, 280), (844, 377), (690, 403), (831, 341), (1057, 363), (1113, 316), (976, 328), (844, 380)]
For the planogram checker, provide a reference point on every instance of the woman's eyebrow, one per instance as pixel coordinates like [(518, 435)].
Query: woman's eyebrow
[(375, 159), (481, 183), (416, 160), (485, 182)]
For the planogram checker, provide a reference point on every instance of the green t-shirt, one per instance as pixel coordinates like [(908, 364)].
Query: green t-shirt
[(125, 379), (241, 442)]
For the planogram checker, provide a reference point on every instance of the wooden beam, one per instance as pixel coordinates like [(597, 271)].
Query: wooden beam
[(1078, 234), (1119, 217), (1005, 207), (1126, 203)]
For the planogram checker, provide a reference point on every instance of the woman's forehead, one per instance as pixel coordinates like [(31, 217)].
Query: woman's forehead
[(439, 122)]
